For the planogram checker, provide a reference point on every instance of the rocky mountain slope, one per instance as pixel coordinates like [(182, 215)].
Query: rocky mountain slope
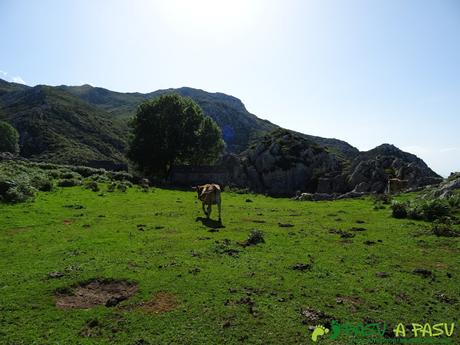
[(89, 125)]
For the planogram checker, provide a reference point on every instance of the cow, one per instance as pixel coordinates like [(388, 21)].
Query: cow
[(209, 194), (395, 185)]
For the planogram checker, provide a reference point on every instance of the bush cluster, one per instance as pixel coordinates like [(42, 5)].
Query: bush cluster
[(429, 210), (20, 180), (399, 209), (93, 185), (445, 228), (17, 190), (70, 182)]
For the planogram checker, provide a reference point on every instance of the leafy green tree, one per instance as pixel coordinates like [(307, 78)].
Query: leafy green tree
[(171, 130), (9, 138)]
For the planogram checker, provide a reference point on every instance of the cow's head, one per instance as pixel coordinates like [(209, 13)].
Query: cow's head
[(199, 190)]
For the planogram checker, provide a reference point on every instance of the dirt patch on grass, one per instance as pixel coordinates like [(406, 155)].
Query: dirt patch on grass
[(95, 292), (352, 302), (343, 234), (301, 267), (68, 221), (441, 265), (314, 317), (285, 225), (161, 302), (15, 231)]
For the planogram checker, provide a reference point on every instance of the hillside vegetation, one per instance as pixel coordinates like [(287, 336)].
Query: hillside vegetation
[(58, 127), (52, 120)]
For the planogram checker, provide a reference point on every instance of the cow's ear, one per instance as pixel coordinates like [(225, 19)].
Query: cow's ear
[(194, 187)]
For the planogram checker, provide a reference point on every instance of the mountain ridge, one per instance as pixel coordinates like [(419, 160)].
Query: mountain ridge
[(211, 103), (89, 125)]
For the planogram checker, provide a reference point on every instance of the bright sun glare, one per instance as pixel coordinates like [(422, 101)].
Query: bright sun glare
[(220, 16)]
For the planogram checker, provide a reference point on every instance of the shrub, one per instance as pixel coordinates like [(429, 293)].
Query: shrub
[(415, 211), (445, 229), (454, 201), (70, 175), (429, 210), (99, 178), (42, 182), (15, 185), (54, 173), (19, 193), (69, 183), (399, 209), (120, 176), (9, 138), (87, 171), (111, 187), (4, 185), (45, 166), (122, 187), (436, 209), (92, 185)]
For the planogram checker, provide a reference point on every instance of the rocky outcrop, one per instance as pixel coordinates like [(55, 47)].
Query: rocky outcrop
[(279, 164), (282, 163), (447, 188), (370, 170), (285, 163)]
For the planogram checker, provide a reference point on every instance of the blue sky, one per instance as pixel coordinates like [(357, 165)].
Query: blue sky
[(367, 72)]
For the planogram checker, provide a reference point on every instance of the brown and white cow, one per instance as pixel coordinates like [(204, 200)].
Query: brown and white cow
[(395, 185), (209, 194)]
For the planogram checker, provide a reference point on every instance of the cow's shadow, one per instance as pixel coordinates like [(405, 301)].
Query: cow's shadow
[(210, 223)]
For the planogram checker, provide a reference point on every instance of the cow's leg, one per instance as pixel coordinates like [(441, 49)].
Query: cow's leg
[(204, 210), (209, 211), (219, 208)]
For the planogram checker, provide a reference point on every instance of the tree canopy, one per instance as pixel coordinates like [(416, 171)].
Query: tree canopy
[(9, 138), (171, 130)]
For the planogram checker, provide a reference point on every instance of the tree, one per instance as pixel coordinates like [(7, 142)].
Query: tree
[(9, 138), (171, 130)]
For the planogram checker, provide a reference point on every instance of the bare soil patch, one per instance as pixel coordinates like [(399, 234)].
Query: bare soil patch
[(95, 292), (161, 302)]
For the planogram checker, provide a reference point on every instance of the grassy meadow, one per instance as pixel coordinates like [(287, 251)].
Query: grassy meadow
[(341, 260)]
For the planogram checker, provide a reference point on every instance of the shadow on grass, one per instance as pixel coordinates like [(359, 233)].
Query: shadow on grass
[(210, 223)]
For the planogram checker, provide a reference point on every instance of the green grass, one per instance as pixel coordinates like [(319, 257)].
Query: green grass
[(102, 240)]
